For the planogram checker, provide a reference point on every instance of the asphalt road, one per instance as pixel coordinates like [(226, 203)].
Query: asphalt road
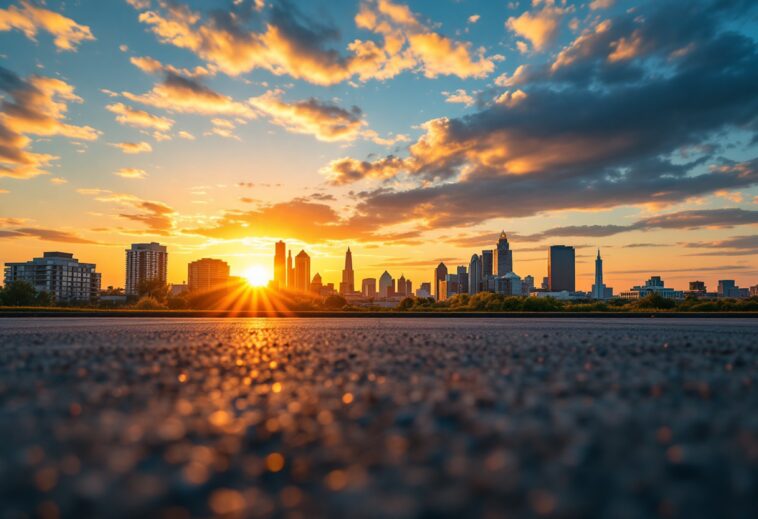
[(378, 418)]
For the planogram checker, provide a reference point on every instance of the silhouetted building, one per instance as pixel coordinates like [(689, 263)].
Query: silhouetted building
[(728, 288), (368, 287), (599, 290), (207, 273), (440, 274), (509, 284), (401, 288), (560, 268), (348, 276), (425, 290), (280, 265), (654, 285), (545, 285), (59, 274), (503, 256), (145, 262), (697, 286), (754, 291), (528, 284), (290, 272), (302, 271), (487, 268), (386, 285), (451, 285), (462, 279), (408, 287), (316, 284), (475, 274)]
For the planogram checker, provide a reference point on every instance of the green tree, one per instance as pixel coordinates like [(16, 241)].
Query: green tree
[(18, 293), (154, 288)]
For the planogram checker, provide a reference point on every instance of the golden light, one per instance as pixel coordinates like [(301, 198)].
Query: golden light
[(256, 276)]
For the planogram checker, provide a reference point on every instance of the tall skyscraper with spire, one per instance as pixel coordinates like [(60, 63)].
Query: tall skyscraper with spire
[(290, 272), (599, 290), (280, 265), (348, 276), (503, 258)]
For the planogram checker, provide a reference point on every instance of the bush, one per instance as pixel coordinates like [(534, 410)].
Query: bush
[(19, 293), (149, 303), (655, 301), (335, 302)]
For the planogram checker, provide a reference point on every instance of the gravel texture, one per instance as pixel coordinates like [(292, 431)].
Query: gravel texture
[(378, 418)]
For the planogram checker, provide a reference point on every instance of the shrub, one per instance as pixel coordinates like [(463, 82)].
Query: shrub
[(149, 303)]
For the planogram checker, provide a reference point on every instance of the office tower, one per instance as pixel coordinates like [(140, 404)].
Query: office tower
[(475, 274), (316, 284), (727, 288), (290, 272), (401, 286), (545, 283), (425, 290), (59, 274), (145, 262), (302, 272), (452, 286), (206, 274), (368, 287), (697, 286), (462, 279), (528, 285), (280, 265), (508, 284), (599, 290), (487, 269), (560, 268), (386, 285), (440, 273), (503, 256), (348, 276), (408, 287)]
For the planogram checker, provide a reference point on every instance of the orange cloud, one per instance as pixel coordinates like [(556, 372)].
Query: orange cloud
[(156, 216), (459, 96), (132, 148), (36, 106), (539, 28), (133, 173), (29, 19), (347, 170), (133, 117)]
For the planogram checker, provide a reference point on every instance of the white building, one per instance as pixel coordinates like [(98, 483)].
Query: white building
[(654, 285), (599, 290), (60, 275), (145, 262), (386, 285)]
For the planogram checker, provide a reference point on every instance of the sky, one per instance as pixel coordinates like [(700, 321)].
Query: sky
[(413, 132)]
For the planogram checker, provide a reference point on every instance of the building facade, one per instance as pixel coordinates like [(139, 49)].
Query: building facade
[(561, 268), (475, 274), (503, 256), (386, 285), (280, 265), (302, 273), (440, 274), (207, 273), (599, 290), (145, 262), (654, 285), (368, 288), (60, 275), (347, 287)]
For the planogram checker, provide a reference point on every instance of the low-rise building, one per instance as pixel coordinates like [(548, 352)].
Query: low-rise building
[(654, 285), (60, 275)]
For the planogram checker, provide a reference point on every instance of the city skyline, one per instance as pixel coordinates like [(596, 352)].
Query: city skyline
[(409, 157)]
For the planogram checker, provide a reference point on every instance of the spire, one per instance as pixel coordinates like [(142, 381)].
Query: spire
[(503, 236), (598, 254)]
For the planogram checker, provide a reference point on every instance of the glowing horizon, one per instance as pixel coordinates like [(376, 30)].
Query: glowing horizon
[(412, 132)]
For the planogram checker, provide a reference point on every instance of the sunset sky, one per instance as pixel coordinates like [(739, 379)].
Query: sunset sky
[(414, 132)]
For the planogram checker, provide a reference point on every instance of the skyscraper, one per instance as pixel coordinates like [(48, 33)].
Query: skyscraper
[(368, 287), (290, 272), (59, 274), (401, 288), (348, 277), (599, 290), (280, 265), (440, 274), (302, 272), (207, 273), (503, 257), (487, 264), (560, 268), (475, 274), (316, 284), (462, 279), (145, 262), (386, 285)]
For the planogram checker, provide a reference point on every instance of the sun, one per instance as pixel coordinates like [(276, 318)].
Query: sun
[(256, 276)]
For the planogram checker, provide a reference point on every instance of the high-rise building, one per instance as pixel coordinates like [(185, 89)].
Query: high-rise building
[(728, 288), (290, 272), (408, 287), (316, 284), (599, 290), (462, 279), (487, 265), (280, 265), (302, 272), (348, 276), (528, 285), (59, 274), (401, 288), (145, 262), (425, 290), (503, 257), (697, 286), (386, 285), (440, 274), (560, 268), (475, 274), (368, 287), (207, 273)]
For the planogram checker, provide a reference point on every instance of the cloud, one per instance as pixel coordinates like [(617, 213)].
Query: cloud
[(44, 234), (186, 135), (292, 43), (139, 118), (600, 4), (29, 19), (132, 148), (459, 96), (745, 245), (156, 216), (540, 28), (35, 106), (132, 173), (153, 66), (346, 170), (473, 18), (186, 95)]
